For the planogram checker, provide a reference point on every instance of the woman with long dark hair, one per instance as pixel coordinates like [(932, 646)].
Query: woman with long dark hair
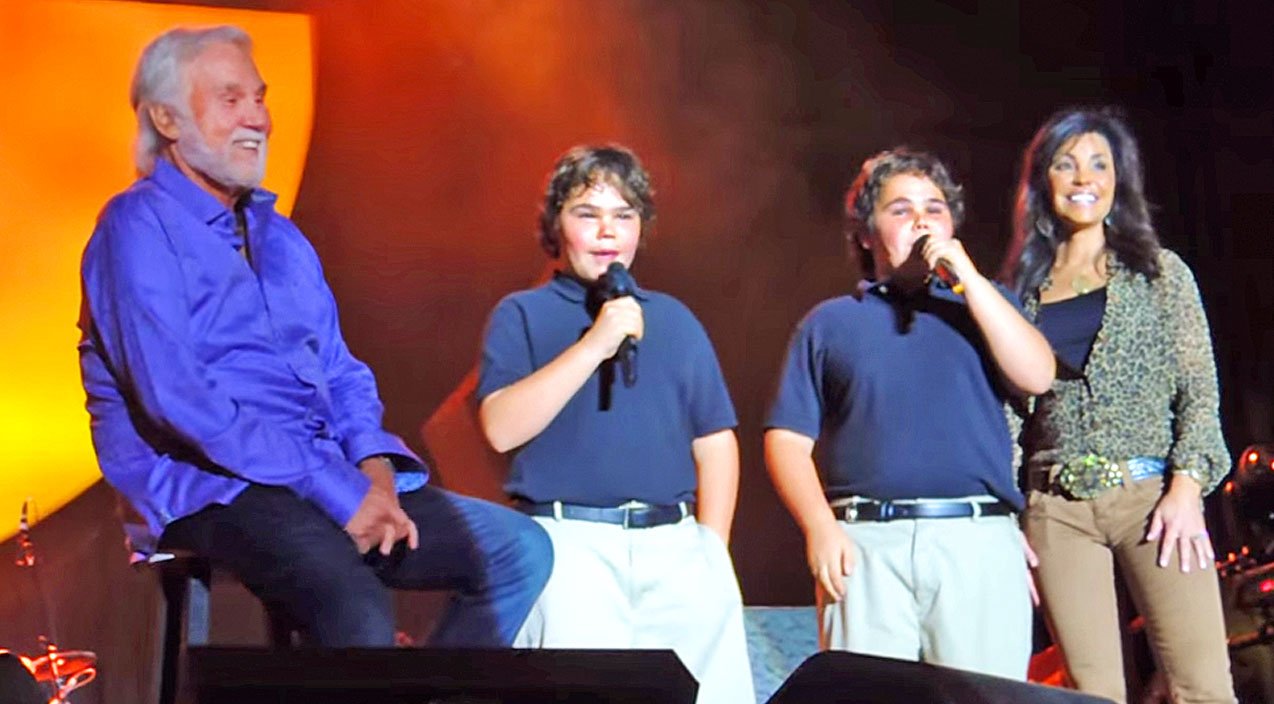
[(1120, 451)]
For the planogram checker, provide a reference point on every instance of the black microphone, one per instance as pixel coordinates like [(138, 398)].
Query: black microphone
[(942, 269), (617, 282)]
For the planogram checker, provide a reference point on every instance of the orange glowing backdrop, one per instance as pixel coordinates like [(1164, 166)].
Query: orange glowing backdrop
[(66, 135)]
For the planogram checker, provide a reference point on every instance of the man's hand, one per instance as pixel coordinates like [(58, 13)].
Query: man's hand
[(380, 520), (1177, 522), (830, 555), (618, 319)]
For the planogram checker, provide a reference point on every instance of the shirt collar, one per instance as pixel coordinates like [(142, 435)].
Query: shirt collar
[(886, 290), (201, 203), (576, 291)]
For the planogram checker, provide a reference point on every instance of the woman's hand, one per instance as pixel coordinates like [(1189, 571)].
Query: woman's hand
[(1177, 522)]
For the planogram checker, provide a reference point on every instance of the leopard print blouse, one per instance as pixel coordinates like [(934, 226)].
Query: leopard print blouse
[(1149, 387)]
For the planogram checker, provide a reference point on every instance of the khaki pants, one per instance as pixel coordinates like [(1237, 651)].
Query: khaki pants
[(948, 591), (1079, 543), (666, 587)]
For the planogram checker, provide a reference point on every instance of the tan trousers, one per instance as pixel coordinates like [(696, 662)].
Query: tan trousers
[(948, 591), (667, 587), (1079, 543)]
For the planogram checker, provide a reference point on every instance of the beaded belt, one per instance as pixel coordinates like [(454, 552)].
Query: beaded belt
[(1088, 476)]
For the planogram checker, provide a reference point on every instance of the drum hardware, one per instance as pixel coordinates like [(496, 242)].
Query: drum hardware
[(60, 671), (1251, 584)]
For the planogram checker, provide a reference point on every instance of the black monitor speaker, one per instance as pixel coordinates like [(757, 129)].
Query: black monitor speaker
[(835, 677), (435, 676), (17, 685)]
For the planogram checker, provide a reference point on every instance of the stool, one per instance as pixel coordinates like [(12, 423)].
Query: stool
[(186, 582)]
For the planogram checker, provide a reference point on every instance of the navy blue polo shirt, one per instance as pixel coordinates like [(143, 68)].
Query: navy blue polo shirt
[(638, 448), (901, 395)]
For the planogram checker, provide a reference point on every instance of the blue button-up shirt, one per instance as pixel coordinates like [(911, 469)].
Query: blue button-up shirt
[(207, 370)]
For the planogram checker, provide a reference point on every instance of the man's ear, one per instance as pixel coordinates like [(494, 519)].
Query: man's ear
[(164, 120)]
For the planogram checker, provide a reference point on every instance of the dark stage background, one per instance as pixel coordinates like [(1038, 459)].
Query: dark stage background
[(435, 123)]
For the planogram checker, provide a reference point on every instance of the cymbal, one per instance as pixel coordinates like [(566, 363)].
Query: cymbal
[(68, 663)]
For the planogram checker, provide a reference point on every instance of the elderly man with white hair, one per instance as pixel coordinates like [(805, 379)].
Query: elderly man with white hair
[(228, 411)]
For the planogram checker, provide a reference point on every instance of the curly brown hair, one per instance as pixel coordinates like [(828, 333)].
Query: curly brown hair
[(860, 200), (585, 166)]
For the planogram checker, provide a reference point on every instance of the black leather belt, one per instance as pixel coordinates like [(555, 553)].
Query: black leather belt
[(630, 517), (893, 511)]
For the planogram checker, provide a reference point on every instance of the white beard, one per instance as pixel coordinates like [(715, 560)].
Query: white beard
[(217, 166)]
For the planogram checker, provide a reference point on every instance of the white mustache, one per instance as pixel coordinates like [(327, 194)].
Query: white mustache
[(247, 133)]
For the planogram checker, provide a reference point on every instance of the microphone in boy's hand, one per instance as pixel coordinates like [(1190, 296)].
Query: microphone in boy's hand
[(942, 269)]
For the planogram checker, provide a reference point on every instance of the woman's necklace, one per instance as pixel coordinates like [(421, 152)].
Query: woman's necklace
[(1081, 285)]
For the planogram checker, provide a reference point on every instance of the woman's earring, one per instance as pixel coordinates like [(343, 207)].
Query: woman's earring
[(1109, 221)]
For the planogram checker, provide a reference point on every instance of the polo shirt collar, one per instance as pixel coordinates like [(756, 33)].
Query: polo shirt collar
[(576, 291), (886, 290)]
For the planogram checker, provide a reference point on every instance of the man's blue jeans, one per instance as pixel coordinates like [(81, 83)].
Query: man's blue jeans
[(295, 558)]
